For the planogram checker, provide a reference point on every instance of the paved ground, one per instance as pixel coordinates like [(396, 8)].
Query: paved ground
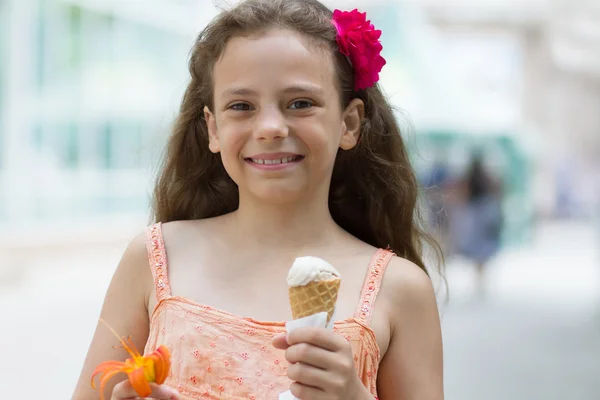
[(535, 334)]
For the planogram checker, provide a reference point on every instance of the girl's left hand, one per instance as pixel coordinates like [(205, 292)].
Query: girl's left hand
[(322, 365)]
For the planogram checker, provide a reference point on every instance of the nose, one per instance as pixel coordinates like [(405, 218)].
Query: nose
[(270, 124)]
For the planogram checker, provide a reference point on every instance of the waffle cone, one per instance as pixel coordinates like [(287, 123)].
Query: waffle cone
[(316, 297)]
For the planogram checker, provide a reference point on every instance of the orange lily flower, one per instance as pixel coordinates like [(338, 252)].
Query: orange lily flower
[(140, 369)]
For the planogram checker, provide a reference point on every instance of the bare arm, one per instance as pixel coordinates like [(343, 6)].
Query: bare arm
[(412, 367), (125, 310)]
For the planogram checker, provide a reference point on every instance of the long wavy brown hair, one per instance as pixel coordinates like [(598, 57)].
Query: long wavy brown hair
[(374, 191)]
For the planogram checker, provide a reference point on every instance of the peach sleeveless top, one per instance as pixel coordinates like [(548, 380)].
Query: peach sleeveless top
[(219, 355)]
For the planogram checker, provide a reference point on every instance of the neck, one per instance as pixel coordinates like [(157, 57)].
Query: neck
[(303, 224)]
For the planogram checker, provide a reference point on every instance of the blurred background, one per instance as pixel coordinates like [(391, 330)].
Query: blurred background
[(500, 101)]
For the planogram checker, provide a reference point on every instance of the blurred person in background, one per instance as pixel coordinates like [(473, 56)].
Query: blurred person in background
[(478, 217)]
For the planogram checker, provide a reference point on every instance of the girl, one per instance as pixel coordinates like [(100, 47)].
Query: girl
[(284, 147)]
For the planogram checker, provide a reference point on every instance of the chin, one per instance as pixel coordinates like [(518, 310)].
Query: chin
[(278, 194)]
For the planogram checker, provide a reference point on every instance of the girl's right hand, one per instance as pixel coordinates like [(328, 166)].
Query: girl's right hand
[(124, 391)]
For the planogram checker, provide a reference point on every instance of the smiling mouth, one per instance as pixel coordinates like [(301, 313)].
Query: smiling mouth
[(275, 161)]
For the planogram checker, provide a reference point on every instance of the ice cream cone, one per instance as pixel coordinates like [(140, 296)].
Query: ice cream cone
[(316, 297), (313, 287)]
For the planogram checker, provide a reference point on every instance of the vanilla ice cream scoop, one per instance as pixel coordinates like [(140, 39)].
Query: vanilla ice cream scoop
[(305, 270)]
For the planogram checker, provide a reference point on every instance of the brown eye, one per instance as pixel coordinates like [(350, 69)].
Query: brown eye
[(301, 104), (240, 107)]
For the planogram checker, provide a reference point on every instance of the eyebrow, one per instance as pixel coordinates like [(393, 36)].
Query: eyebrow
[(289, 90), (238, 92), (304, 89)]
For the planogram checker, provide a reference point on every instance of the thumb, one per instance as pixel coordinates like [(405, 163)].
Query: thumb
[(280, 341)]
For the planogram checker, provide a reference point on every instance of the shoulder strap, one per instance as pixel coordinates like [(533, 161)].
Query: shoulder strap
[(157, 257), (372, 284)]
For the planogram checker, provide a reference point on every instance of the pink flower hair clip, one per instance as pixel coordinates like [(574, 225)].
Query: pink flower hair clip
[(359, 41)]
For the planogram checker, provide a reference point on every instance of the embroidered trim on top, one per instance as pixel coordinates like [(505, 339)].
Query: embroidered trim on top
[(372, 285), (158, 261)]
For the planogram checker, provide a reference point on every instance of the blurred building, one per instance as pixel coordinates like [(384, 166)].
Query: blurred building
[(88, 90), (555, 92)]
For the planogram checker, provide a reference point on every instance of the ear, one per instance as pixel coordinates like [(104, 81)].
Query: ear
[(211, 124), (351, 123)]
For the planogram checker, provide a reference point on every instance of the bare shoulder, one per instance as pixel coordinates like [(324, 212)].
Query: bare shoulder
[(415, 335), (406, 289), (133, 274), (137, 248), (134, 262)]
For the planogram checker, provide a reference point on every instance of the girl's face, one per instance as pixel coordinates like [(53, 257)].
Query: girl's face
[(277, 120)]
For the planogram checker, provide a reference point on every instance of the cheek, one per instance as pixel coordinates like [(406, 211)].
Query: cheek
[(323, 147), (322, 132), (229, 146), (231, 138), (326, 140), (231, 143)]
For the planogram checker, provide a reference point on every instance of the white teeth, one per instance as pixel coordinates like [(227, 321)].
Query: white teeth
[(283, 160)]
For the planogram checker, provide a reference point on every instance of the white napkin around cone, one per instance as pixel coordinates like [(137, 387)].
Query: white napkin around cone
[(318, 320)]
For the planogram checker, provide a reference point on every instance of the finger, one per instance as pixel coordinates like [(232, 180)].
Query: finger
[(124, 391), (164, 392), (280, 341), (319, 337), (304, 392), (308, 375), (311, 355)]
